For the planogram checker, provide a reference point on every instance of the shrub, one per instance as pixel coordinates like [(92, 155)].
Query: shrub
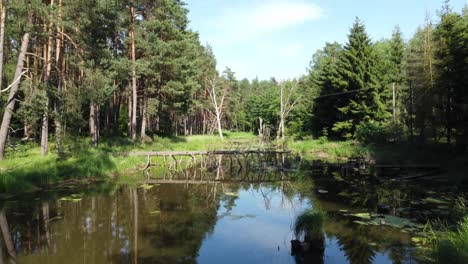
[(374, 133)]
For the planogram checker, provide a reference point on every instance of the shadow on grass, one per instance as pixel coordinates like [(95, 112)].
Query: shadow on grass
[(42, 171)]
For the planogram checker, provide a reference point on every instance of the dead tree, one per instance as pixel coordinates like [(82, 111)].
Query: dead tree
[(287, 104), (217, 93)]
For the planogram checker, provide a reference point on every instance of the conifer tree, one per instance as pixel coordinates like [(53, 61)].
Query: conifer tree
[(358, 76)]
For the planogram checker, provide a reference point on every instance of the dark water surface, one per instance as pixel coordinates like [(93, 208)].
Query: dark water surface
[(189, 223)]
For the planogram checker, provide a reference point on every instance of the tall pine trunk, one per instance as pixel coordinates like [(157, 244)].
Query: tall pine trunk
[(45, 115), (93, 124), (11, 98), (143, 115), (58, 99), (134, 79)]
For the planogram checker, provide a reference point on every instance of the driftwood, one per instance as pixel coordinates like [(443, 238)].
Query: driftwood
[(205, 153)]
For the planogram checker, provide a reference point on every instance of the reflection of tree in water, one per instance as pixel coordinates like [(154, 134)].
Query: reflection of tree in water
[(357, 249), (164, 224), (186, 215), (361, 243)]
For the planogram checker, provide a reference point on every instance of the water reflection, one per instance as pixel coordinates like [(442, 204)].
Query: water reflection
[(183, 223)]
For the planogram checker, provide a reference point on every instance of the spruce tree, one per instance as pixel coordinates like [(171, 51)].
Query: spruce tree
[(358, 76)]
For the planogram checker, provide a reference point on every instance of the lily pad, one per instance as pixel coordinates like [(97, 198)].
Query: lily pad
[(231, 194), (69, 198), (366, 216), (361, 223), (146, 186), (435, 200)]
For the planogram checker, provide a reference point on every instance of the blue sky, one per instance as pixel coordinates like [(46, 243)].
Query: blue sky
[(276, 38)]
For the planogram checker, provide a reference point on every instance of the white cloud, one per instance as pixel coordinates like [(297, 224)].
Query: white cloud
[(279, 15), (267, 17)]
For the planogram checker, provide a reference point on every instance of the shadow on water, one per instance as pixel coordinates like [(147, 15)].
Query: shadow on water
[(221, 212)]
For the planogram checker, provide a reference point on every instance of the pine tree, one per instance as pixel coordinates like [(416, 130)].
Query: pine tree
[(358, 76), (451, 55), (324, 82)]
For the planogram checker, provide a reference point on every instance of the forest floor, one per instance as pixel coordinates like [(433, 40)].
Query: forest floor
[(25, 169)]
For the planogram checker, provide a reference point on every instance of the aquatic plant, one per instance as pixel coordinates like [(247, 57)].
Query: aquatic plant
[(309, 224), (452, 245)]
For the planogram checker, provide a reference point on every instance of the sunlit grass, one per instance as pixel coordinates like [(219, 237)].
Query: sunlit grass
[(329, 150), (452, 245), (25, 168)]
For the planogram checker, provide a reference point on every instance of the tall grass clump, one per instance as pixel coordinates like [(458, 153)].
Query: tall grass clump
[(452, 246), (309, 224)]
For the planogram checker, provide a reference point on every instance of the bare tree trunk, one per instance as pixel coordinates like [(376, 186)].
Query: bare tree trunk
[(143, 115), (218, 106), (134, 80), (45, 116), (129, 116), (11, 98), (280, 133), (93, 127), (286, 106), (45, 130), (58, 99), (2, 38)]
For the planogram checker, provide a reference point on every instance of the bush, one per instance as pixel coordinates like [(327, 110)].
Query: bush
[(374, 133)]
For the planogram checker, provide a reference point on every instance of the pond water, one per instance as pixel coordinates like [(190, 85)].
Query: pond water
[(215, 222)]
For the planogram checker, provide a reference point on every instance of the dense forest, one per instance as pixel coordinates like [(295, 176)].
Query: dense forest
[(133, 68)]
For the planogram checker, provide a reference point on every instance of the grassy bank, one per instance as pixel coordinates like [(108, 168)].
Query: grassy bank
[(24, 168)]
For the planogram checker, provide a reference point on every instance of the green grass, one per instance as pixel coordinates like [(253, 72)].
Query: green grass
[(24, 169), (452, 246), (309, 224), (328, 150)]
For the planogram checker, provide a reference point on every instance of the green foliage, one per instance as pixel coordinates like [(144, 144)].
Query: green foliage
[(375, 133), (357, 72), (310, 224)]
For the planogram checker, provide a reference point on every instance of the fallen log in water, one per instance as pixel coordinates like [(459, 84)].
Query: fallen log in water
[(206, 152)]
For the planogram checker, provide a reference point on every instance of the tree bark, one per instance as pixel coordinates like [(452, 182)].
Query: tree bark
[(93, 124), (11, 98), (143, 115), (2, 38), (45, 116), (45, 130), (134, 80), (129, 124), (58, 99)]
